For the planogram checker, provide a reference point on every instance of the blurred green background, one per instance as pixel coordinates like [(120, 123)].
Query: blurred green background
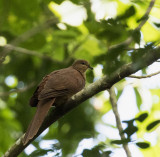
[(37, 37)]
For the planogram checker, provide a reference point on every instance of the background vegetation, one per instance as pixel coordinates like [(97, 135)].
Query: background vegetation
[(41, 36)]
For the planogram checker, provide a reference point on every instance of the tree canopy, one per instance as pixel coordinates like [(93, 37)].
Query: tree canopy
[(118, 38)]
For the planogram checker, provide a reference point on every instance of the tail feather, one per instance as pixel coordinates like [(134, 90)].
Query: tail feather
[(42, 110)]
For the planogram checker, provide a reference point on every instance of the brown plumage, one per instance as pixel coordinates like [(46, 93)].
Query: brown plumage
[(57, 86)]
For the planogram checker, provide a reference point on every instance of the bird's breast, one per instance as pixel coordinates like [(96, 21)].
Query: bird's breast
[(78, 83)]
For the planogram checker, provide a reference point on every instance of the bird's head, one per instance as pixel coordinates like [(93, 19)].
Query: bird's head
[(81, 65)]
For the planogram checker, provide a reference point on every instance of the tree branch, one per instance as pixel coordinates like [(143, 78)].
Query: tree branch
[(146, 76), (30, 52), (146, 15), (17, 90), (102, 84), (118, 120)]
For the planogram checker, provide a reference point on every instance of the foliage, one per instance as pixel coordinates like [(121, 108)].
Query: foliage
[(52, 43)]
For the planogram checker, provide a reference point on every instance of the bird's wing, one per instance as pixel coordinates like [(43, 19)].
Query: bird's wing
[(50, 93), (64, 82), (52, 85), (34, 99), (57, 85), (42, 110)]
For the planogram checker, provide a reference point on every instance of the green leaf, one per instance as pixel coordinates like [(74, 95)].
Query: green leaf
[(138, 98), (40, 152), (106, 154), (157, 24), (58, 1), (152, 125), (121, 141), (65, 35), (136, 36), (128, 13), (97, 151), (130, 130), (111, 30), (93, 26), (90, 76), (142, 117), (143, 145), (119, 93), (91, 153)]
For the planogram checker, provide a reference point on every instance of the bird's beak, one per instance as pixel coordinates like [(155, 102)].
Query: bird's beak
[(90, 67)]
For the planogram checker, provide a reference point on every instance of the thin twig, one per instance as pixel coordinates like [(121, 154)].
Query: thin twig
[(20, 90), (30, 52), (127, 42), (118, 120), (146, 15), (146, 76)]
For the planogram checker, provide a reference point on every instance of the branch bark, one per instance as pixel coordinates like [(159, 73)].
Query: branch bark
[(113, 101), (102, 84)]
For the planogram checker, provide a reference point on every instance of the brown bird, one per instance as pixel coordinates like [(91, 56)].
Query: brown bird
[(56, 87)]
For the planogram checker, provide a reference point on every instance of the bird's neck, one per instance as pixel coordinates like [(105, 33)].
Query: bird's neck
[(83, 74)]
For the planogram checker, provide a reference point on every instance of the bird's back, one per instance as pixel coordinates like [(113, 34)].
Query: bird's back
[(64, 82)]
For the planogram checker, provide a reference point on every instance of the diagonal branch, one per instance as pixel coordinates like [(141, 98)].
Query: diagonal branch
[(146, 15), (118, 120), (102, 84)]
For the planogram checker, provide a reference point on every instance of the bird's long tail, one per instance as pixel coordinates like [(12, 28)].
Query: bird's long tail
[(42, 110)]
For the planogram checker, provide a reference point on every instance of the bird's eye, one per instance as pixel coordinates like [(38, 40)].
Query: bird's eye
[(83, 63)]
